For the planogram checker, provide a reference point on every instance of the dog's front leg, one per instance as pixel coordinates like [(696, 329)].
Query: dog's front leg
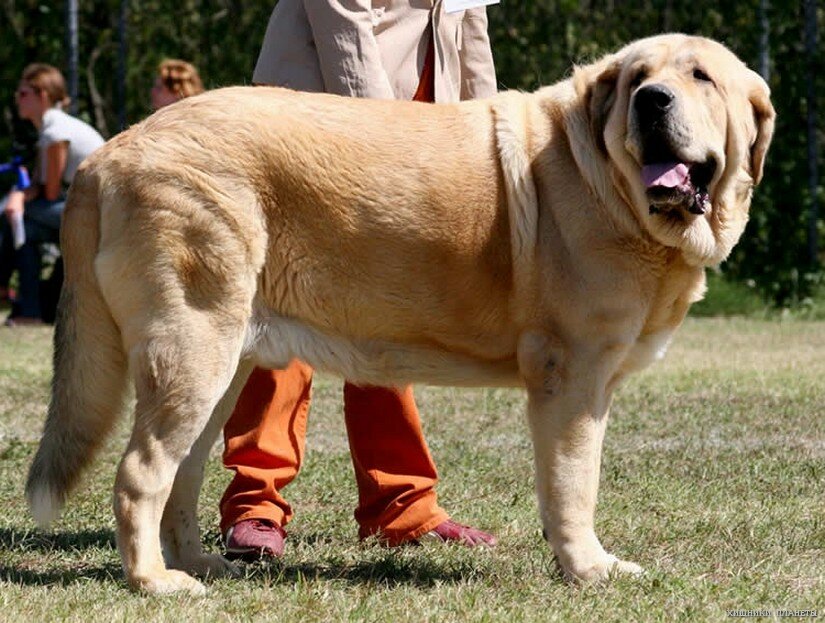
[(568, 406)]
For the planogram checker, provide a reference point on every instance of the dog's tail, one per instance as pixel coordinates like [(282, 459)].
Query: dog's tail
[(90, 367)]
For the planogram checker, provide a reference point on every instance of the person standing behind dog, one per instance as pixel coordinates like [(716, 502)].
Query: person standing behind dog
[(388, 50), (63, 143)]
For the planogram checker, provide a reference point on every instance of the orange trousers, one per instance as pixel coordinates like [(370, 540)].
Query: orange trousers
[(264, 444)]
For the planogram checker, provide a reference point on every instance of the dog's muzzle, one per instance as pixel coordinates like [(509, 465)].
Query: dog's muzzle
[(671, 182)]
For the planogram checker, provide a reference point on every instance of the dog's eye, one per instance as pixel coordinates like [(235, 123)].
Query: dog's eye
[(699, 74), (637, 78)]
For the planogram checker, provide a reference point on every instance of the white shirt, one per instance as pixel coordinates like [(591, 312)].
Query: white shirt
[(59, 127)]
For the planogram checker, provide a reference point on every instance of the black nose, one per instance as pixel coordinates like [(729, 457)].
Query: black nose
[(652, 102)]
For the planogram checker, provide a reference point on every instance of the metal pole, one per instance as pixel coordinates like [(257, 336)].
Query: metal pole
[(72, 52), (764, 41), (123, 20)]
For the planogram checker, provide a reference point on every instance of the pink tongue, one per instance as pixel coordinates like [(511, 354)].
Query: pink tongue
[(669, 174)]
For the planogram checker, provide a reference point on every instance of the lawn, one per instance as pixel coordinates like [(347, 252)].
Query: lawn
[(712, 479)]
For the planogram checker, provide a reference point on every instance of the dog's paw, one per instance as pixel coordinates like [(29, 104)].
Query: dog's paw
[(211, 566), (608, 567), (168, 581), (624, 568)]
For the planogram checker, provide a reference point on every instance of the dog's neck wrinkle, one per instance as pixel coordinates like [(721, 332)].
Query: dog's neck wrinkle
[(632, 224), (511, 123), (572, 133), (567, 122)]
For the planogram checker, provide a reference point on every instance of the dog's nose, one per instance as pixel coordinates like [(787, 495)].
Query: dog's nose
[(652, 102)]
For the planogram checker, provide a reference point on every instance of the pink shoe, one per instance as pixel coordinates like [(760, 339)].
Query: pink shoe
[(253, 539), (451, 532)]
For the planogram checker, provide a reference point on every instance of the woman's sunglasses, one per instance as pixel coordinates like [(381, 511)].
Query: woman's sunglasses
[(24, 92)]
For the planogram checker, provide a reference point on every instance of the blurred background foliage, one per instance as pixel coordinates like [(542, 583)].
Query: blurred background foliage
[(534, 43)]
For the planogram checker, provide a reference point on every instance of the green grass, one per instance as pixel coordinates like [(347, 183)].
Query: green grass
[(713, 479)]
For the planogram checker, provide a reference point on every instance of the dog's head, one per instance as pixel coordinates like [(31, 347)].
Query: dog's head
[(684, 126)]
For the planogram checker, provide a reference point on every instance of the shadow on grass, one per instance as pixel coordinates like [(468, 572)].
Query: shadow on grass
[(34, 540), (426, 567), (32, 545), (381, 566), (62, 577), (389, 573)]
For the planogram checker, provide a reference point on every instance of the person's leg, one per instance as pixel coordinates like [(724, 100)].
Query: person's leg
[(6, 255), (27, 261), (395, 472), (46, 216), (264, 444), (42, 222)]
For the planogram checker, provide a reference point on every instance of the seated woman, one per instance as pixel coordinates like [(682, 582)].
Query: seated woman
[(64, 142)]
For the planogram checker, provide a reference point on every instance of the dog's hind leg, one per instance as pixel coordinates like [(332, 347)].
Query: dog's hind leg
[(181, 372), (180, 538)]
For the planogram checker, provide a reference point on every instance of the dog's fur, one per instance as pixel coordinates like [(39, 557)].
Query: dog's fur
[(508, 241)]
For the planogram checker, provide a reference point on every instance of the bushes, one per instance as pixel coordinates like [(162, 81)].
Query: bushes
[(730, 297)]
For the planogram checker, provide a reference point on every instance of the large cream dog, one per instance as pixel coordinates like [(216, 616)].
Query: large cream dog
[(552, 240)]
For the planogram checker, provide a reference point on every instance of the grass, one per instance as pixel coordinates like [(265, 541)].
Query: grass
[(713, 478)]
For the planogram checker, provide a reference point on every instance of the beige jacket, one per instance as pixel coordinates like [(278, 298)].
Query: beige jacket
[(376, 49)]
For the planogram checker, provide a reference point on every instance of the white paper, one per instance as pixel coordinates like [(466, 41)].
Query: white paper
[(18, 230), (454, 6)]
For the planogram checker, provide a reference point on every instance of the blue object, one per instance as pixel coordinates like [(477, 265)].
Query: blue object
[(16, 165)]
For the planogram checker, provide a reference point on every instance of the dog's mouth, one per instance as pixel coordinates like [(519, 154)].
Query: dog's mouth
[(676, 185)]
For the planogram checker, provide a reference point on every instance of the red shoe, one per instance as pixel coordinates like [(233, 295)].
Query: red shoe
[(253, 539), (452, 532)]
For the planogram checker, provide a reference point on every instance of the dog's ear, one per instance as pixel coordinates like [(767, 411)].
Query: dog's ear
[(596, 87), (765, 117)]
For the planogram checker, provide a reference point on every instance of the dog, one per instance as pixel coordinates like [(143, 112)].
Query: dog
[(551, 240)]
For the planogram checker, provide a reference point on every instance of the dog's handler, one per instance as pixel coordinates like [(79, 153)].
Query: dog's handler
[(390, 49)]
